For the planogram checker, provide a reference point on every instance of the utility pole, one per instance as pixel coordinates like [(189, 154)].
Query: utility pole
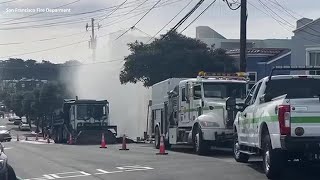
[(243, 36), (93, 38)]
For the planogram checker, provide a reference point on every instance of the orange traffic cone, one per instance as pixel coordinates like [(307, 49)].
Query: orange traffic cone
[(124, 143), (162, 150), (18, 137), (103, 142), (70, 139)]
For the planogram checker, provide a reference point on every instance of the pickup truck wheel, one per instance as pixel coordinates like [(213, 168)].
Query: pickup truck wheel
[(201, 147), (157, 138), (273, 160), (239, 156), (11, 173)]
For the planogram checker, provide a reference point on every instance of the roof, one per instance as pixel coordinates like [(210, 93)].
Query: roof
[(271, 54), (270, 51), (85, 101), (213, 80), (306, 25)]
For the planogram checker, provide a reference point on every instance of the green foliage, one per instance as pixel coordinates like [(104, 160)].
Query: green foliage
[(45, 70), (174, 56), (16, 101), (38, 102), (51, 97)]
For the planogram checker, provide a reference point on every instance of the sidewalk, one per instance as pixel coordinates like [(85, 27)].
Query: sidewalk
[(32, 139)]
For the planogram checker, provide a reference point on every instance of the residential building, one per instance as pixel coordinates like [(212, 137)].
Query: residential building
[(215, 40), (261, 60), (22, 84), (306, 43)]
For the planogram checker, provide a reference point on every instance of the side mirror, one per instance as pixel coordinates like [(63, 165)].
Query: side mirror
[(265, 98), (231, 104)]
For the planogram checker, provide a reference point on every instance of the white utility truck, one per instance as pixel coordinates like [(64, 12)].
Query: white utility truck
[(193, 111), (280, 120)]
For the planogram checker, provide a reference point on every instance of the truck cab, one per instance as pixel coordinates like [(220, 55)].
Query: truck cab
[(195, 111), (84, 120)]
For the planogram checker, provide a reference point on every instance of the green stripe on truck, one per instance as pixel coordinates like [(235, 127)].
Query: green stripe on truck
[(313, 119)]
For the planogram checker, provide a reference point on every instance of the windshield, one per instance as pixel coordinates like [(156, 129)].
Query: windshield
[(224, 90), (85, 112), (294, 88)]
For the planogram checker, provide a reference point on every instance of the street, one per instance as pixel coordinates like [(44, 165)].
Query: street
[(44, 161)]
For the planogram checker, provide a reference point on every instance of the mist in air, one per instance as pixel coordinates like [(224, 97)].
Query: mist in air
[(128, 103)]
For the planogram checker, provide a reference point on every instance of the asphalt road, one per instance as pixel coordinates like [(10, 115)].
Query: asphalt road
[(43, 161), (15, 129)]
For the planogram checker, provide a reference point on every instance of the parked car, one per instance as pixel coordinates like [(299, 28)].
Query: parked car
[(11, 118), (24, 126), (6, 171), (17, 121), (5, 134)]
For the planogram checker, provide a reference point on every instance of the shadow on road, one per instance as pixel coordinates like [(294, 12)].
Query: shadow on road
[(293, 171), (212, 153)]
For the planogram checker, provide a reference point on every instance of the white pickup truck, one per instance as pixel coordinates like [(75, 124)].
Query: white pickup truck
[(279, 120)]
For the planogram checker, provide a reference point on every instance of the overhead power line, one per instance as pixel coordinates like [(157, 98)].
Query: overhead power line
[(170, 21), (43, 39), (199, 15), (73, 34), (83, 33), (113, 11), (57, 47), (102, 10), (41, 12), (137, 7), (184, 18), (70, 22), (230, 5), (283, 24), (141, 31), (284, 20), (140, 19), (7, 1)]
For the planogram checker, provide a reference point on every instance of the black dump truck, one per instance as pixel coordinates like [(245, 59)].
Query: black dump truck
[(85, 120)]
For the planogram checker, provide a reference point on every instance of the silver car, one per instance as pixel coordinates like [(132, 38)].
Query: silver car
[(24, 126), (5, 134)]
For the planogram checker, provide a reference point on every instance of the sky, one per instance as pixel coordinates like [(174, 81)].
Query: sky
[(62, 36), (219, 17)]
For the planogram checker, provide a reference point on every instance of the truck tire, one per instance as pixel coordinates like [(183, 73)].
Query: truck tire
[(239, 156), (273, 160), (11, 173), (201, 147), (157, 138)]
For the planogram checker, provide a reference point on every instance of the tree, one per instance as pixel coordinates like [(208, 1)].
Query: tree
[(16, 101), (173, 56), (27, 102), (50, 98)]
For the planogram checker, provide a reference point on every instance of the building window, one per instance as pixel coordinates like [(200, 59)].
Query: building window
[(314, 60)]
